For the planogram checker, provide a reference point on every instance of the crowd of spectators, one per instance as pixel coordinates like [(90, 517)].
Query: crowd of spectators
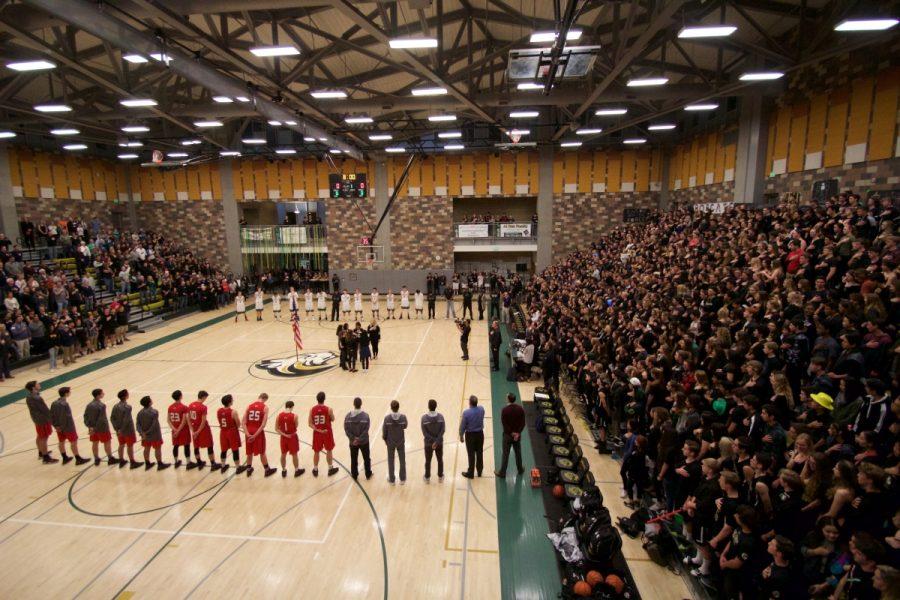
[(48, 309), (745, 365)]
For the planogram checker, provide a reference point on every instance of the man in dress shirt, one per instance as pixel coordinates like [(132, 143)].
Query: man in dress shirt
[(471, 431)]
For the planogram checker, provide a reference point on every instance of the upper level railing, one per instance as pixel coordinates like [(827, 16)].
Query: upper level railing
[(282, 238), (496, 231)]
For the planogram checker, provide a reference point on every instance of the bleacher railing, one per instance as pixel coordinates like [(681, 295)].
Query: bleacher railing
[(495, 231)]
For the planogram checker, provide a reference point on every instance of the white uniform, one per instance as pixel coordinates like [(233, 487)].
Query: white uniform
[(404, 299), (321, 301), (276, 303), (239, 305), (259, 300), (357, 302), (373, 298), (390, 301), (345, 302), (293, 301), (420, 299), (308, 296)]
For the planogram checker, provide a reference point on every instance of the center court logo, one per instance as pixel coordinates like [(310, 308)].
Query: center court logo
[(309, 363)]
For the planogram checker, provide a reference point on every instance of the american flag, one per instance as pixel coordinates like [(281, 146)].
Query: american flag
[(298, 338)]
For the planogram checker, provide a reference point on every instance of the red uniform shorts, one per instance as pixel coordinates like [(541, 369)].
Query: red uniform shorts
[(229, 439), (126, 440), (43, 431), (67, 436), (182, 438), (290, 445), (203, 439), (322, 441), (257, 445), (101, 437)]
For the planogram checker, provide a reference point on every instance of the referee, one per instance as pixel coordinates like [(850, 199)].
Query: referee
[(471, 431)]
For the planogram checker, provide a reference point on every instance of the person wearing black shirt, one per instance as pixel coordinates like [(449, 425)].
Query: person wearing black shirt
[(738, 556), (335, 304), (451, 307), (688, 474), (495, 339), (778, 579), (480, 298), (342, 344), (465, 328), (495, 302), (857, 583), (467, 302), (432, 299), (374, 337), (700, 510), (352, 342)]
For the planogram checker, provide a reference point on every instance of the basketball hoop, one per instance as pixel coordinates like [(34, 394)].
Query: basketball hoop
[(157, 156), (515, 137)]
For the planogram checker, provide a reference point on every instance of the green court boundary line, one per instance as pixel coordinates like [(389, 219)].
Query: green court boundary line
[(528, 564), (11, 397)]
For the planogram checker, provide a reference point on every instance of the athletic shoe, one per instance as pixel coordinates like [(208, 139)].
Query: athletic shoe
[(162, 466), (391, 481), (332, 471), (249, 471), (467, 475), (698, 572), (122, 463), (67, 459), (96, 462), (224, 468), (136, 465), (299, 472), (149, 465), (284, 472), (177, 463), (213, 466), (500, 475), (190, 465), (270, 471), (315, 472), (240, 469), (369, 476), (112, 461), (200, 464)]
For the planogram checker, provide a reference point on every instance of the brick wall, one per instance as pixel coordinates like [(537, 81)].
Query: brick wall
[(199, 225), (580, 218), (422, 233), (716, 192), (345, 227), (878, 175), (42, 210)]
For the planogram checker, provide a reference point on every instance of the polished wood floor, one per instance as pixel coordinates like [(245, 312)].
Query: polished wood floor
[(101, 532)]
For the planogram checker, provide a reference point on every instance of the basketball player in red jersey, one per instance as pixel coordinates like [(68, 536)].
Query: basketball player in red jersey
[(286, 426), (255, 419), (181, 433), (229, 434), (320, 418), (200, 431)]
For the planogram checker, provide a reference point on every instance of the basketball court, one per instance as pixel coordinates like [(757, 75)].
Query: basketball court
[(102, 532)]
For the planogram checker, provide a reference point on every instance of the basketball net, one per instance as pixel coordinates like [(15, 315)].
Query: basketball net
[(157, 156), (515, 138)]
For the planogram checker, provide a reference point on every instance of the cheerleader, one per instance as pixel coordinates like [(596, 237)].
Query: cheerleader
[(420, 301), (390, 304), (320, 304), (345, 305), (373, 297), (276, 306), (259, 301), (357, 304), (308, 299), (404, 302), (240, 307), (293, 302)]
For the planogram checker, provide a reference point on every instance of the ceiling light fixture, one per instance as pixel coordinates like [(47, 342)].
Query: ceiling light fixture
[(130, 144), (192, 142), (5, 135), (336, 151), (135, 58), (135, 102), (309, 139), (865, 24), (634, 141), (395, 149), (74, 147), (291, 123), (127, 156), (762, 76), (177, 154), (323, 139), (409, 43), (359, 120), (254, 140), (223, 99), (529, 85), (31, 65), (524, 114), (135, 129), (706, 31), (380, 137), (264, 51), (589, 131), (610, 112), (65, 131), (229, 153), (512, 132), (274, 123), (450, 135), (430, 91), (569, 144), (541, 37), (328, 94), (647, 81), (454, 147), (207, 123), (661, 127), (161, 57), (52, 108), (694, 107), (285, 151), (441, 118)]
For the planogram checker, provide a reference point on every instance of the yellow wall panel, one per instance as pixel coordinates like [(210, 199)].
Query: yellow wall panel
[(628, 159), (534, 174), (719, 168), (181, 184), (815, 126), (193, 182), (712, 145), (112, 184), (836, 128), (493, 176), (414, 179), (310, 183), (884, 115), (454, 177), (614, 172), (730, 156), (585, 172), (770, 144), (782, 132), (260, 184), (271, 179), (481, 175), (156, 180), (797, 145), (642, 175), (557, 174), (29, 174), (860, 110), (285, 180), (15, 168), (44, 171), (428, 176), (599, 167), (440, 171), (655, 166), (674, 166), (508, 174), (570, 175), (169, 186), (467, 170), (215, 181), (60, 177), (322, 172), (522, 163), (146, 186), (247, 182), (87, 179), (693, 167), (298, 181)]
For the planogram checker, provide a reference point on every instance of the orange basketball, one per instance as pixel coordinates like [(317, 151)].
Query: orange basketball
[(559, 491), (593, 578), (616, 583), (581, 588)]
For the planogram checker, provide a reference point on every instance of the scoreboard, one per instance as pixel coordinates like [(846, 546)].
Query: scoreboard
[(348, 185)]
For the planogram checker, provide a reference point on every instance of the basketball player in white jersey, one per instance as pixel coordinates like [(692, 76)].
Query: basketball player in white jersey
[(373, 298), (308, 301)]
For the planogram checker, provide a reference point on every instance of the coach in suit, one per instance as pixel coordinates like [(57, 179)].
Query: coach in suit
[(513, 418), (335, 305), (356, 426), (495, 339)]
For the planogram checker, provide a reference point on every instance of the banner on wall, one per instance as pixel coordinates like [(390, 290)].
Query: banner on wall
[(472, 230), (295, 236), (258, 235), (515, 230), (716, 208)]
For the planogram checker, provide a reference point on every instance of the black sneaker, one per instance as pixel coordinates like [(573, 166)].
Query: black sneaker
[(80, 461), (270, 471), (299, 472), (190, 466), (112, 461), (467, 475), (136, 465), (213, 466), (149, 465), (224, 468), (162, 466), (96, 462), (332, 471), (315, 472), (284, 472), (369, 476), (249, 471), (240, 469), (67, 459), (122, 463)]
